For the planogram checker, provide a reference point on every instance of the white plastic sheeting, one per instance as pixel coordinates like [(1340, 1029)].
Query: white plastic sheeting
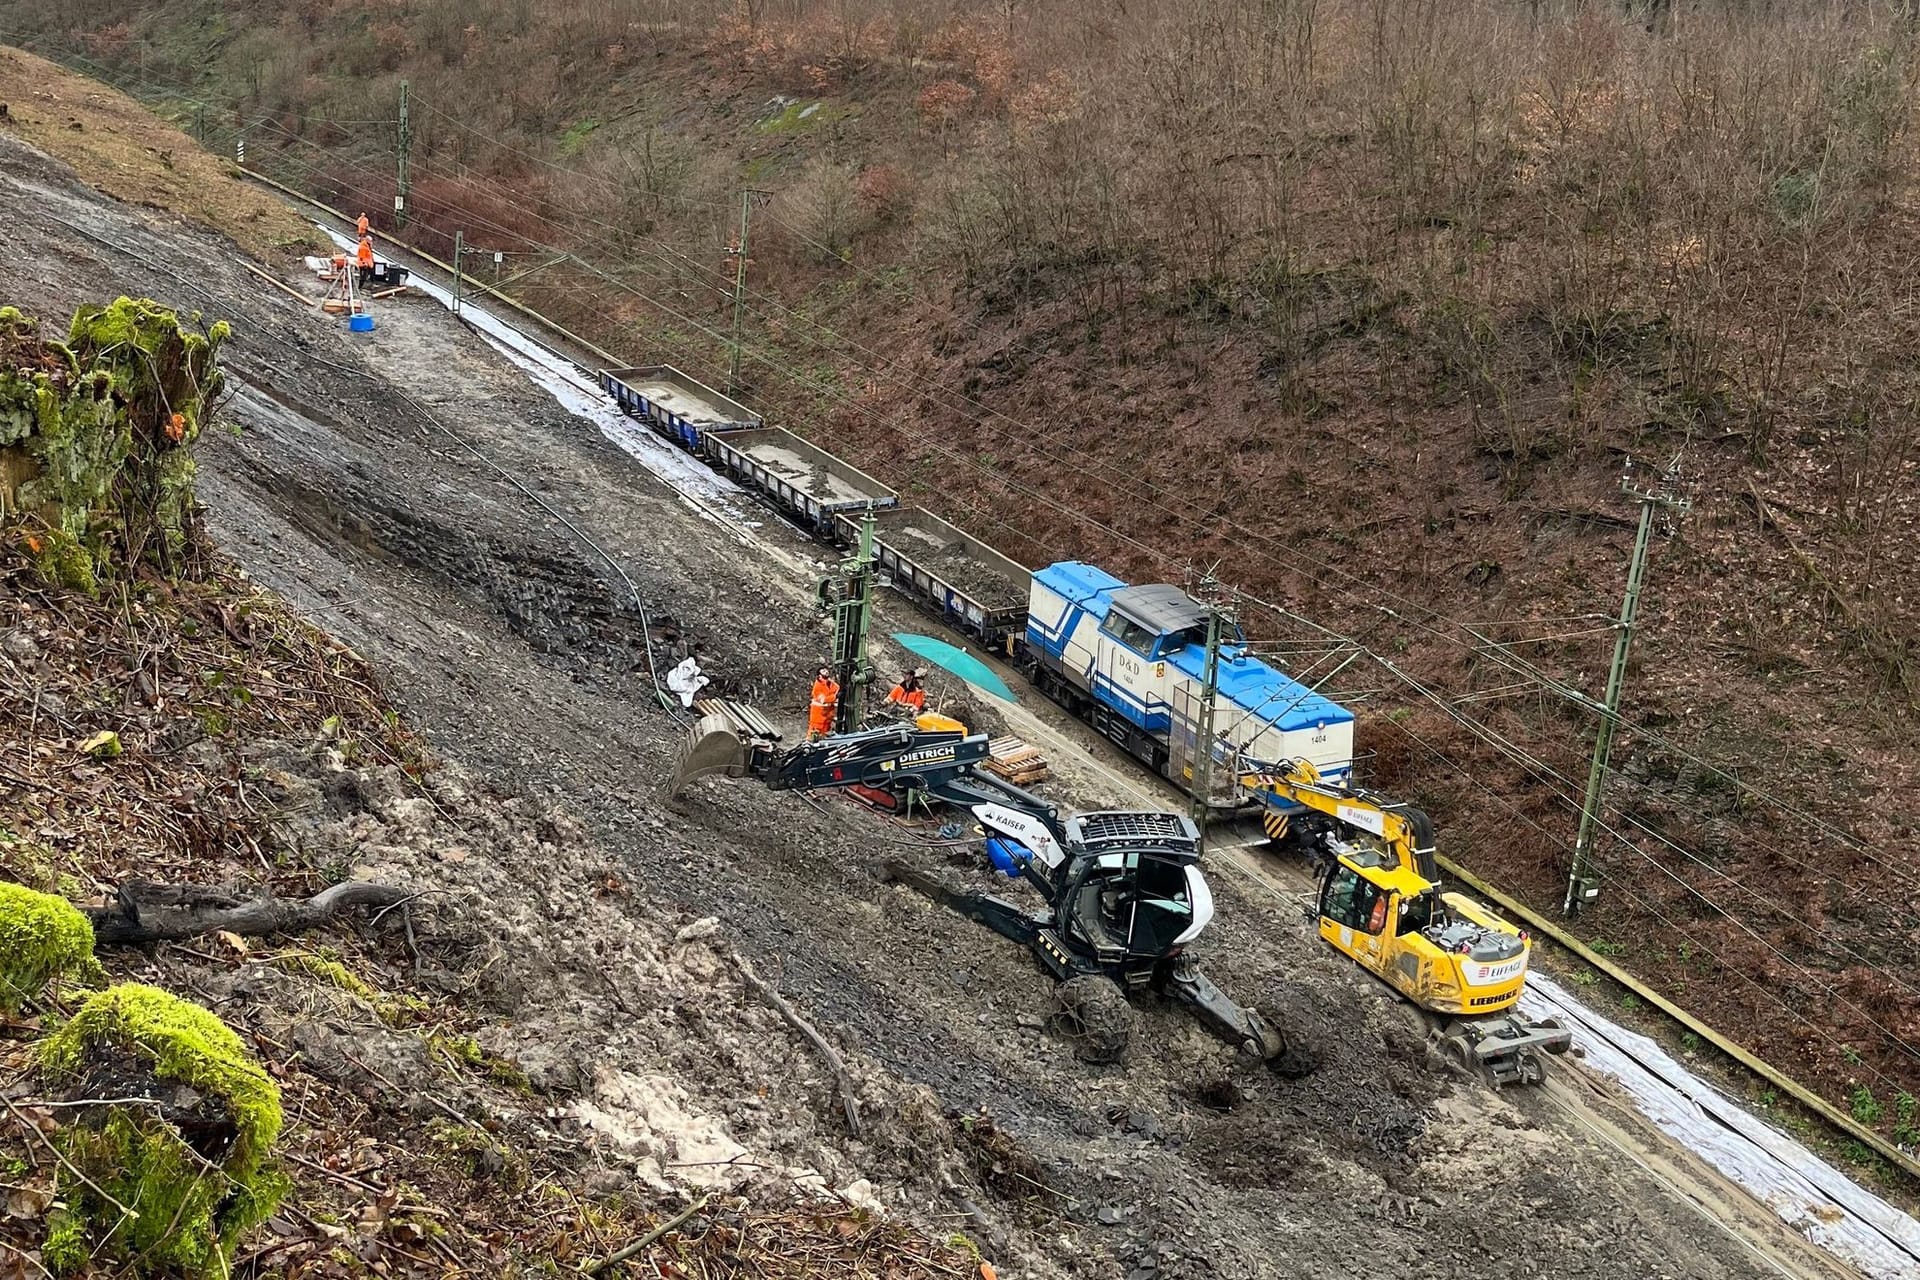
[(1808, 1194)]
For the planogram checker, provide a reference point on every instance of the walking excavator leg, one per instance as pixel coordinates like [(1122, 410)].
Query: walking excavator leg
[(1183, 981), (1253, 1033)]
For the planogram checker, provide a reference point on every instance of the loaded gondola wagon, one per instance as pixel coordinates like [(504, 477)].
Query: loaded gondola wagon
[(801, 479), (677, 406), (948, 572)]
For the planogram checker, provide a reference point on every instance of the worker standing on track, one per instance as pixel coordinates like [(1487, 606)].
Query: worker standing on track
[(362, 227), (826, 700), (908, 692), (364, 256)]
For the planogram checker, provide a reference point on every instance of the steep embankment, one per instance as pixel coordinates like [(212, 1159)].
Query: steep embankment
[(554, 1044), (1367, 302)]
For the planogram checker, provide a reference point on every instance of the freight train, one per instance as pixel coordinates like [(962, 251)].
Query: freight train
[(1128, 659)]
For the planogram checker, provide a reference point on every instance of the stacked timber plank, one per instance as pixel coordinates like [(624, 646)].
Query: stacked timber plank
[(1016, 760)]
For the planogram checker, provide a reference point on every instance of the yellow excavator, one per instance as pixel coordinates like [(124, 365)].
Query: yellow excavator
[(1380, 902)]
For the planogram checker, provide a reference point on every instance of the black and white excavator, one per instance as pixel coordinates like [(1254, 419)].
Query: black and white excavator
[(1122, 890)]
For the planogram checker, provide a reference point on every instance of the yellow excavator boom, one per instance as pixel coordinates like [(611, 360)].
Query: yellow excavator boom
[(1380, 904)]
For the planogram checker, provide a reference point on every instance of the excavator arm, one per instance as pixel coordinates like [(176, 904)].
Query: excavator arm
[(903, 760), (1407, 832)]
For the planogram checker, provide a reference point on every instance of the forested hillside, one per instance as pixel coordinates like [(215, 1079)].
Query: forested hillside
[(1370, 301)]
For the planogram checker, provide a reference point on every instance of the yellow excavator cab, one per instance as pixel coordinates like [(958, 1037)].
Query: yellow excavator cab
[(1380, 904), (1442, 951)]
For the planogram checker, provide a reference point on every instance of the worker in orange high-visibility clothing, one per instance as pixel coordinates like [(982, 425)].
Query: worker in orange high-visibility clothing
[(826, 700), (364, 257), (908, 692), (361, 227)]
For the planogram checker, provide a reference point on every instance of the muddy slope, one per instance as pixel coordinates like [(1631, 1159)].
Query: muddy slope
[(518, 652)]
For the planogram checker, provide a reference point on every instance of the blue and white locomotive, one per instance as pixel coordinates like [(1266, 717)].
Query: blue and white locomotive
[(1131, 660)]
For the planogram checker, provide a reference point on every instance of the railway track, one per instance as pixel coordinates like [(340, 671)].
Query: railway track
[(1781, 1204)]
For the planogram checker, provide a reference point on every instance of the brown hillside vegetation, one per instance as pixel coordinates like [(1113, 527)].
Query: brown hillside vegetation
[(1368, 299), (130, 155)]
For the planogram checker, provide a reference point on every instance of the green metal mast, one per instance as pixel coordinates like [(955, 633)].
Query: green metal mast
[(747, 197), (849, 597), (403, 167), (1582, 888), (1217, 615)]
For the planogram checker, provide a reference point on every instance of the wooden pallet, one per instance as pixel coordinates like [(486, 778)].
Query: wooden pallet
[(1017, 761)]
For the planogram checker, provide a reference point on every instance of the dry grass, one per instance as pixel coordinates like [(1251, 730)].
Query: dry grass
[(120, 147)]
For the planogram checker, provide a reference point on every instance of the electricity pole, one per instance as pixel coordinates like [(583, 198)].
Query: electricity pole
[(747, 197), (459, 248), (1217, 615), (1581, 885), (403, 179)]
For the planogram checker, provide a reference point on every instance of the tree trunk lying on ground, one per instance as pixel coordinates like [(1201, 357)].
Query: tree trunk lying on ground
[(144, 912)]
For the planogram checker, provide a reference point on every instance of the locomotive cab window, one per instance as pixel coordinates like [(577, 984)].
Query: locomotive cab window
[(1129, 633), (1181, 639)]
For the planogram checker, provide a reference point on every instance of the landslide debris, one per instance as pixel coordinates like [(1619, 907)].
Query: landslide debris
[(516, 1064)]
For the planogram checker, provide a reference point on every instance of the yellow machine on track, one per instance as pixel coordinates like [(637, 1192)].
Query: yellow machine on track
[(1380, 902)]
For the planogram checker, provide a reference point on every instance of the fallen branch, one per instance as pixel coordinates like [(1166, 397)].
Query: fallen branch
[(627, 1251), (143, 912), (841, 1079)]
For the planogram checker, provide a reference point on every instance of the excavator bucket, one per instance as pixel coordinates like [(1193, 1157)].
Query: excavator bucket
[(723, 740)]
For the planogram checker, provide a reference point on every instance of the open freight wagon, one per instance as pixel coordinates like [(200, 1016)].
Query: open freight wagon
[(807, 482), (947, 571), (678, 407)]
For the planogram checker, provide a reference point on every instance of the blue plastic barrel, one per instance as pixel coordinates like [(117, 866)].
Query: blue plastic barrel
[(360, 324)]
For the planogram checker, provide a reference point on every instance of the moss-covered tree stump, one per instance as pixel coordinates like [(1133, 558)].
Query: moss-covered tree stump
[(174, 1155), (42, 940), (96, 465)]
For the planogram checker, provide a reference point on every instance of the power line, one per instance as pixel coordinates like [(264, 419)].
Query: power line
[(1146, 491), (1615, 886), (1621, 839), (1482, 646), (1535, 760), (794, 375), (1895, 873), (1541, 765), (791, 373)]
